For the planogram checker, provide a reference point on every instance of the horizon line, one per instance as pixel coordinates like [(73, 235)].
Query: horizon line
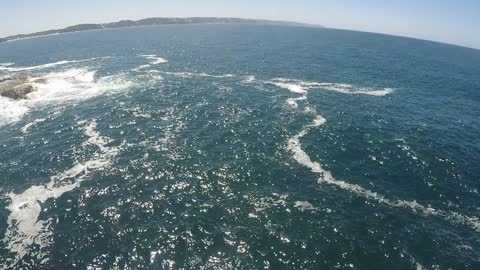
[(239, 20), (280, 22)]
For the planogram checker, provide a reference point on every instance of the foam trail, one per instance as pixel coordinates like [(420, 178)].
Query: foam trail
[(326, 177), (292, 102), (49, 65), (295, 147), (302, 87), (154, 60), (25, 128), (24, 227)]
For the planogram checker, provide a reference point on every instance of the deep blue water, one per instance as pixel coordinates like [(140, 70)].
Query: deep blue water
[(240, 147)]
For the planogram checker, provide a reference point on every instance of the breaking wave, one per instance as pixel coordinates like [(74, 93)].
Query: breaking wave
[(154, 60), (193, 74), (249, 79), (8, 66), (27, 127), (60, 87)]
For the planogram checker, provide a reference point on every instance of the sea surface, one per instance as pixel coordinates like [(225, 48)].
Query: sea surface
[(240, 147)]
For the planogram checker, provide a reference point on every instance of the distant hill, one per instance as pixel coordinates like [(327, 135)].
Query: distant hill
[(155, 21)]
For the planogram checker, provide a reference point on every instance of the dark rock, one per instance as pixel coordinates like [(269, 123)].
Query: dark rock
[(18, 92), (19, 85)]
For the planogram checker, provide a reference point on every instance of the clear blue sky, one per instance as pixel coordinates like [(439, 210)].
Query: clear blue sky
[(451, 21)]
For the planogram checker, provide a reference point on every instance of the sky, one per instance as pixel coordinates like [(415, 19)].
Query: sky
[(450, 21)]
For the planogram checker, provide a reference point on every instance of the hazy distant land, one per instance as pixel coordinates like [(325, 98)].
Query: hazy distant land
[(154, 21)]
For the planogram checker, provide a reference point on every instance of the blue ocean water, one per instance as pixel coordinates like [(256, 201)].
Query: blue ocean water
[(240, 147)]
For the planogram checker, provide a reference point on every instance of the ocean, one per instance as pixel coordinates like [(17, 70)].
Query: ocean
[(240, 147)]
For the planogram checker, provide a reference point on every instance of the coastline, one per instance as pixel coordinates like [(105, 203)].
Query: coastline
[(152, 22)]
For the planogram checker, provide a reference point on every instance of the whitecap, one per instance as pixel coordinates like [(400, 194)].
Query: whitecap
[(44, 66), (154, 60), (302, 87), (295, 147), (350, 89), (304, 206)]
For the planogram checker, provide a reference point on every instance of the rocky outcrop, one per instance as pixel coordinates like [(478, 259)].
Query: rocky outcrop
[(19, 86)]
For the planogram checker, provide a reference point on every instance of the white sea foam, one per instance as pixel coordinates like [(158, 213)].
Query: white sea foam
[(25, 230), (326, 177), (292, 86), (193, 74), (49, 65), (25, 128), (154, 60), (249, 79), (60, 87), (349, 89), (302, 87), (295, 147)]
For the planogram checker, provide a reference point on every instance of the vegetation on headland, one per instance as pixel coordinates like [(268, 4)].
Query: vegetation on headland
[(154, 21)]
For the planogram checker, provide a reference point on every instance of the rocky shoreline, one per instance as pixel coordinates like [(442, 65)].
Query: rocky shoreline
[(19, 86)]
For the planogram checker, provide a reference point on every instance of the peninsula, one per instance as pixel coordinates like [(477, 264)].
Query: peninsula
[(155, 21)]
